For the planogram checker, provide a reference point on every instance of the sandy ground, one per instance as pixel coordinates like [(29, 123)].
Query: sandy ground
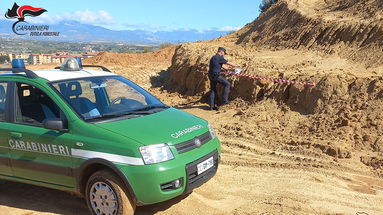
[(257, 175)]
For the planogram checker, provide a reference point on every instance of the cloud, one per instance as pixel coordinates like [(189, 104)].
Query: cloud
[(146, 27), (45, 19), (90, 17), (85, 17), (229, 28)]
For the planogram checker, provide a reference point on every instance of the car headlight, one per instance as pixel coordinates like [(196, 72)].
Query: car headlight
[(156, 153), (212, 133)]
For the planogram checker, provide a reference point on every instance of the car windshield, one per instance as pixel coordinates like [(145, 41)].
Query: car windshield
[(98, 98)]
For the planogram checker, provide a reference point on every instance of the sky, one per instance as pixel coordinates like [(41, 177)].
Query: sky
[(152, 15)]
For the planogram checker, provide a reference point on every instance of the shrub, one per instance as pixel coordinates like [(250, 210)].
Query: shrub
[(266, 4), (165, 45), (147, 49), (4, 59)]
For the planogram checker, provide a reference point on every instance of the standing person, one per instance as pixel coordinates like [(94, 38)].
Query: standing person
[(217, 62)]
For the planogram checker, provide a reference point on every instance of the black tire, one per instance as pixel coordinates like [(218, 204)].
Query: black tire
[(115, 202)]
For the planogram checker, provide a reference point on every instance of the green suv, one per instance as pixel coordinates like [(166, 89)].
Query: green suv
[(101, 136)]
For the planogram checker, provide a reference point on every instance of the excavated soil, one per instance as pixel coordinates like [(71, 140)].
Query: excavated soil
[(336, 44), (286, 149)]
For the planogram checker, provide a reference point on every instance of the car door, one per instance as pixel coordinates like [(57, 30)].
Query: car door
[(5, 168), (38, 153)]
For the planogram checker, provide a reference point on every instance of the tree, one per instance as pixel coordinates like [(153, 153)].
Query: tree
[(147, 49), (4, 59), (266, 4)]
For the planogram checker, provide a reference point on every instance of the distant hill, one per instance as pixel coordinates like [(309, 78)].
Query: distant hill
[(73, 31)]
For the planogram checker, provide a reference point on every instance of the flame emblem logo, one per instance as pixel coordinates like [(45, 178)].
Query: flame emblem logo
[(20, 13)]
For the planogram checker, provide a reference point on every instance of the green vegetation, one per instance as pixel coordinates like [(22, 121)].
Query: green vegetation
[(165, 45), (147, 49), (4, 59), (266, 4), (27, 46)]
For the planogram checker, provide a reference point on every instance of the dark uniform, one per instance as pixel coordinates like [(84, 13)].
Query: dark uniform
[(215, 67)]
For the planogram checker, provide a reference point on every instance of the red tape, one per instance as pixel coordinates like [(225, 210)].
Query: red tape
[(275, 80)]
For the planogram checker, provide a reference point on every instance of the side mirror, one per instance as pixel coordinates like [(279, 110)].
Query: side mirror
[(55, 124)]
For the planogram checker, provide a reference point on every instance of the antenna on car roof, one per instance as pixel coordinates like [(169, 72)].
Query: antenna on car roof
[(97, 66), (18, 66), (75, 64)]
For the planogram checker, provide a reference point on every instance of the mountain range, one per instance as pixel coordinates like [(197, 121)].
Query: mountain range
[(73, 31)]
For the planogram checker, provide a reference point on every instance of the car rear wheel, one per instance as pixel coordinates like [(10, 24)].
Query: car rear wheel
[(106, 195)]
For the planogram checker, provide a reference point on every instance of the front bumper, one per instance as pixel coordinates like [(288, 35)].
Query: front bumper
[(146, 180), (193, 180)]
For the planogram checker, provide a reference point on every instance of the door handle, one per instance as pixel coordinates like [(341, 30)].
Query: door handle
[(16, 135)]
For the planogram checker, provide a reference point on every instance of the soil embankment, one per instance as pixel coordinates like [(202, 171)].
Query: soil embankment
[(338, 45)]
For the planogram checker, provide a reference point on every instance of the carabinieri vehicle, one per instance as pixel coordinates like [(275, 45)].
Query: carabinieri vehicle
[(101, 136)]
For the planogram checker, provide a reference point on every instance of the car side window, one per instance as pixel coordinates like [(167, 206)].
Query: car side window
[(34, 106), (3, 93), (81, 96)]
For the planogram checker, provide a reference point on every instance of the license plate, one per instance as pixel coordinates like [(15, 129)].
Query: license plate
[(205, 165)]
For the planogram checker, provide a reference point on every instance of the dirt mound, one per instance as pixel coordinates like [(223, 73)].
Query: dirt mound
[(336, 79), (138, 67), (336, 44), (365, 9), (352, 29), (124, 59), (328, 42)]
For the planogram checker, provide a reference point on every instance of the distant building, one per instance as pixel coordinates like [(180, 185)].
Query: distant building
[(37, 59), (18, 56), (34, 59), (47, 58), (58, 58)]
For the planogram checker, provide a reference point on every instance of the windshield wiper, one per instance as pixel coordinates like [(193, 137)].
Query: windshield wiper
[(146, 108), (142, 110), (108, 115)]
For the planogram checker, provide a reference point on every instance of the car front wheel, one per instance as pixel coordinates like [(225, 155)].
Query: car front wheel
[(105, 195)]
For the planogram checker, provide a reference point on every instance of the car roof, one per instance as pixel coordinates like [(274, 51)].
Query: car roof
[(58, 75)]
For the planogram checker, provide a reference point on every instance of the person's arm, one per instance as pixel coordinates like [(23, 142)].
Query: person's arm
[(232, 64), (226, 62), (225, 67)]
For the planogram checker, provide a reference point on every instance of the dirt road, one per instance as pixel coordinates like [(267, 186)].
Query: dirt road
[(250, 180)]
